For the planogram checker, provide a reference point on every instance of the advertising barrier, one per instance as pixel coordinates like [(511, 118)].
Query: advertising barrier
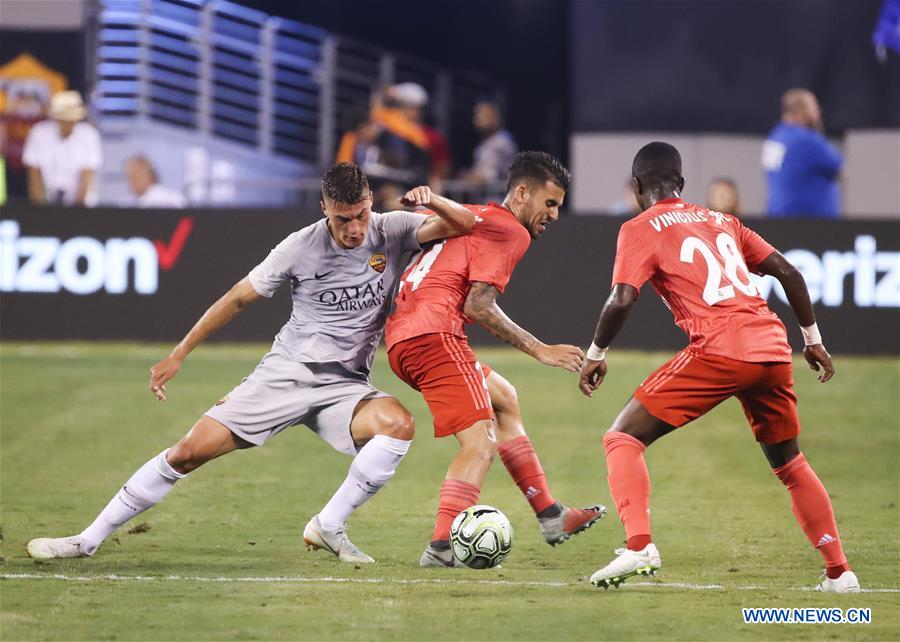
[(149, 275)]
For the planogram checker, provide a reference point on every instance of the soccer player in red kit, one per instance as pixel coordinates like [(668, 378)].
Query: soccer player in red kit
[(449, 285), (699, 261)]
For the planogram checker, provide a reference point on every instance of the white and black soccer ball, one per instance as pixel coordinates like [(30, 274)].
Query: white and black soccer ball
[(481, 536)]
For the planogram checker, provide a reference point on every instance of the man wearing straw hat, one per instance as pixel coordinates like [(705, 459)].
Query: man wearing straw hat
[(63, 155)]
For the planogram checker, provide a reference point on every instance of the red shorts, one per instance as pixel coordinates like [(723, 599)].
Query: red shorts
[(444, 369), (692, 384)]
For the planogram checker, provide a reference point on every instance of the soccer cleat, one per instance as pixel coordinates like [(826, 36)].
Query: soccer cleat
[(846, 583), (569, 522), (628, 564), (49, 548), (335, 542), (439, 558)]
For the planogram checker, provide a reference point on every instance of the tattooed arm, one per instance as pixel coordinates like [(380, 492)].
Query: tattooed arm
[(481, 306)]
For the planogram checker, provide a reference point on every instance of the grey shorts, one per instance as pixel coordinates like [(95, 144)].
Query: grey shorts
[(280, 393)]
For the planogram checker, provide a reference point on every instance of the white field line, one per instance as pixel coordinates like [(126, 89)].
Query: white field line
[(388, 580), (273, 579)]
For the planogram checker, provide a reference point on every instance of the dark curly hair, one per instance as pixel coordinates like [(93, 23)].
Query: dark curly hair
[(345, 183), (537, 167)]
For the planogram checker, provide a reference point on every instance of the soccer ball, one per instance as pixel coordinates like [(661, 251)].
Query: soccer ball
[(481, 536)]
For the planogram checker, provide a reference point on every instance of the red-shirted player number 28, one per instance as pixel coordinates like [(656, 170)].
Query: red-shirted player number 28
[(713, 292), (418, 273)]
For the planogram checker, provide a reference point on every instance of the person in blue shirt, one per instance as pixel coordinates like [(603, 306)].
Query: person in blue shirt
[(802, 168)]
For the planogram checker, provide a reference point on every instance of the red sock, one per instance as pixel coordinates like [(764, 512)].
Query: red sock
[(812, 508), (525, 468), (629, 484), (456, 496)]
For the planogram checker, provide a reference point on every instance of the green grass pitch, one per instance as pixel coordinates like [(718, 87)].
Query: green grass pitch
[(222, 557)]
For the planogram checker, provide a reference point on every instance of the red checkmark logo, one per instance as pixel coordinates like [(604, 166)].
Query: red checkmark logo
[(168, 253)]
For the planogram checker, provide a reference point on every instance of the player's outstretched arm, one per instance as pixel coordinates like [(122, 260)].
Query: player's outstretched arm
[(481, 306), (452, 218), (798, 296), (217, 316), (612, 318)]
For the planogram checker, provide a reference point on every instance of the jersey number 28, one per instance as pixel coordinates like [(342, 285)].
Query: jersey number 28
[(714, 292)]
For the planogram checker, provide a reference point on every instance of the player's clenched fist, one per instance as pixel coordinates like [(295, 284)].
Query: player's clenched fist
[(161, 373), (592, 373), (561, 356), (417, 196)]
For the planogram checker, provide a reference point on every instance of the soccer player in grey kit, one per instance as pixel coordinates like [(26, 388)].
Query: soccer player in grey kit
[(343, 271)]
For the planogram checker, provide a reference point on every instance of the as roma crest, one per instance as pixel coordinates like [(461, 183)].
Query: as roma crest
[(378, 262)]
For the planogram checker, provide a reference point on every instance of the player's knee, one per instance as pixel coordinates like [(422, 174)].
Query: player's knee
[(629, 430), (782, 453), (399, 425), (503, 396), (483, 448), (185, 457), (489, 449)]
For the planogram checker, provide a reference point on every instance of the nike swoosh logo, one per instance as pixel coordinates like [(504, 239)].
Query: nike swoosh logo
[(368, 491), (323, 275)]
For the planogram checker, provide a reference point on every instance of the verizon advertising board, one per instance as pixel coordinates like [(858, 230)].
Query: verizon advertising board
[(148, 275)]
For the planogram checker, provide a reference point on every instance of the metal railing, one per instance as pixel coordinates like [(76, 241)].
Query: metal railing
[(275, 85)]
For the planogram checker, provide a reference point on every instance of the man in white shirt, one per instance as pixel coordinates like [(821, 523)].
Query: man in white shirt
[(147, 191), (63, 155)]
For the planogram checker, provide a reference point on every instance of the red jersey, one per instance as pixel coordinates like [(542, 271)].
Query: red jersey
[(435, 286), (699, 262)]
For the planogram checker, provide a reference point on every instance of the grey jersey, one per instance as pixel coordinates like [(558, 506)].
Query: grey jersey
[(341, 297)]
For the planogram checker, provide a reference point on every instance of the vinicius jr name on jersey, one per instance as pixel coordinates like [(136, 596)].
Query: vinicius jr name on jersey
[(664, 220)]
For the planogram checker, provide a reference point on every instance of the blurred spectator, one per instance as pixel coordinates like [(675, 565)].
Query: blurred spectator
[(628, 205), (403, 146), (143, 182), (2, 166), (359, 143), (412, 99), (802, 168), (63, 154), (388, 110), (887, 32), (389, 145), (722, 196), (497, 147)]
